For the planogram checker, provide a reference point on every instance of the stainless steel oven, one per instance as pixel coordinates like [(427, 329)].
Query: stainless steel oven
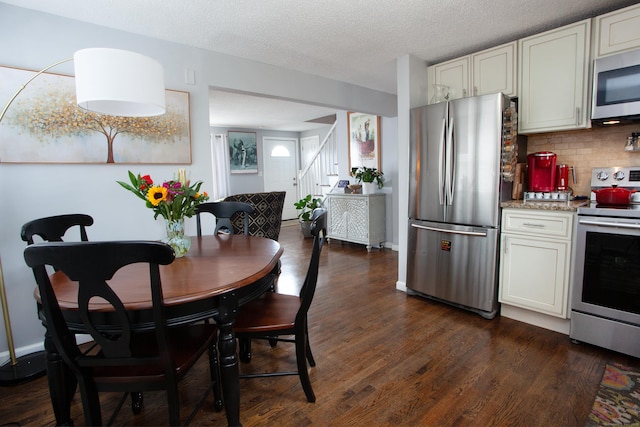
[(605, 307)]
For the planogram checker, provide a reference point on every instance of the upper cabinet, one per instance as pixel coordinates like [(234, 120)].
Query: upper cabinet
[(554, 79), (550, 73), (454, 75), (490, 71), (617, 31), (495, 70)]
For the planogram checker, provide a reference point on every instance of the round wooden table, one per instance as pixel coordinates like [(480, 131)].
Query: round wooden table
[(218, 274)]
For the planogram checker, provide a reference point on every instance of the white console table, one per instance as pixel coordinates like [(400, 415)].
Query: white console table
[(357, 218)]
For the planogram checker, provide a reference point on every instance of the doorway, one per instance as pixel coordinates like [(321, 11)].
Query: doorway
[(280, 171)]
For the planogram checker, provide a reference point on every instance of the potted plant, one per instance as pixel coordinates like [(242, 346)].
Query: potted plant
[(368, 175), (305, 206)]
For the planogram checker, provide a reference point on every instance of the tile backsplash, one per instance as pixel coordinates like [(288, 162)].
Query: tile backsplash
[(587, 149)]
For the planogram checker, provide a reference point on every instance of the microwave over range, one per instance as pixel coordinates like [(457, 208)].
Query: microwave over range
[(616, 88)]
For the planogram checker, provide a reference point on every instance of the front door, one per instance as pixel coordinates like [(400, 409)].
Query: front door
[(280, 160)]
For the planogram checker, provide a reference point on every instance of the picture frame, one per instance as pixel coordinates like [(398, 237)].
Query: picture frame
[(44, 125), (243, 152), (364, 140)]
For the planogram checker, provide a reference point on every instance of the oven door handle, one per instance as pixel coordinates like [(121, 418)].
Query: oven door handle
[(610, 224)]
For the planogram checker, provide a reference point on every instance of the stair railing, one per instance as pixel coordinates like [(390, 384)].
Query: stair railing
[(319, 176)]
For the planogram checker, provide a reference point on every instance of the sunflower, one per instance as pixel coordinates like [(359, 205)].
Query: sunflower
[(155, 195)]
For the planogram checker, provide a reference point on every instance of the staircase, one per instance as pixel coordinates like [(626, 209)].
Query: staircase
[(321, 174)]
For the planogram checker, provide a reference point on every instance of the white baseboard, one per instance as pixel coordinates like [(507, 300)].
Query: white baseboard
[(33, 348), (22, 351)]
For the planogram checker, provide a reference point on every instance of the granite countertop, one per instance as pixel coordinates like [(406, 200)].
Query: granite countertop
[(571, 206)]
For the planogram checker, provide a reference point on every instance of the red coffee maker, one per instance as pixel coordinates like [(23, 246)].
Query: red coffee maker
[(542, 171)]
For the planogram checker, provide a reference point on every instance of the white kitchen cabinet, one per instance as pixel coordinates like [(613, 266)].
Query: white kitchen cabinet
[(489, 71), (554, 79), (357, 218), (454, 74), (495, 70), (617, 31), (535, 260)]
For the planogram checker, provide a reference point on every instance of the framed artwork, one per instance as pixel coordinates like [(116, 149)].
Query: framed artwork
[(44, 125), (243, 152), (364, 140)]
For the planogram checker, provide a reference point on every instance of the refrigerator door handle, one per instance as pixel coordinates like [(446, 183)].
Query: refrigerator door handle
[(443, 230), (450, 163), (442, 164)]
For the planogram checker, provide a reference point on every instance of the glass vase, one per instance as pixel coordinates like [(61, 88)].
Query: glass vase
[(176, 238)]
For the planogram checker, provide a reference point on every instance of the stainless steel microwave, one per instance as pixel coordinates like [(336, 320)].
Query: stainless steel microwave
[(616, 88)]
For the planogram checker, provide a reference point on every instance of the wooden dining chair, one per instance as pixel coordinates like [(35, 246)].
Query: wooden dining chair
[(275, 316), (224, 211), (53, 228), (124, 360)]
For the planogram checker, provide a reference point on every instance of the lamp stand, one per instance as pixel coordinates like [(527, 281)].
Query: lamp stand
[(22, 369), (140, 93), (30, 366)]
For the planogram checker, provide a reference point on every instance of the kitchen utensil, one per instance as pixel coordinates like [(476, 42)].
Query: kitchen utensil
[(613, 196), (518, 180)]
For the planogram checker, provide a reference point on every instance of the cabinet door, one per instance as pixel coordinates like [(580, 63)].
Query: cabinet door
[(494, 70), (534, 273), (358, 229), (455, 75), (617, 31), (337, 225), (554, 79)]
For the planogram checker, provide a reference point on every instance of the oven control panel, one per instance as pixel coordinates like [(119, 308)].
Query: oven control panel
[(615, 176)]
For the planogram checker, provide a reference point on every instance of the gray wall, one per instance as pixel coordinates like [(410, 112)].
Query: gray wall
[(33, 40)]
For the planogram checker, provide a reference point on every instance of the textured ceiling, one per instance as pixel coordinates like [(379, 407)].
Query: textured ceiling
[(355, 41)]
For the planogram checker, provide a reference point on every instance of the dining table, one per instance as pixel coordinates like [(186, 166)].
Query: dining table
[(218, 274)]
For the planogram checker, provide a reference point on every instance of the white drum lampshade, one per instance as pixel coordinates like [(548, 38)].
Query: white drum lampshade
[(119, 83)]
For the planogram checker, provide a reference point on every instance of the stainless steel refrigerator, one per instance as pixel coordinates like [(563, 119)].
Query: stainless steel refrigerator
[(456, 186)]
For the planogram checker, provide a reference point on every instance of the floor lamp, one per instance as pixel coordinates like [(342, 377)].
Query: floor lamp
[(108, 81)]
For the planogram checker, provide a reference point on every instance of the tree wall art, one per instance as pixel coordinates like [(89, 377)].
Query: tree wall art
[(44, 125)]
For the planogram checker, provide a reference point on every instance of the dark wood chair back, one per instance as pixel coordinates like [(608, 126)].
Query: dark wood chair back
[(308, 290), (224, 211), (124, 359), (53, 228)]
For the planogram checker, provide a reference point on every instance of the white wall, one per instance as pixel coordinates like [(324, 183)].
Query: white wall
[(412, 92), (33, 40), (252, 183)]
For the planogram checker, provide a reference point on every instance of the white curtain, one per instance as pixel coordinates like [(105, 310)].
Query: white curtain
[(220, 166)]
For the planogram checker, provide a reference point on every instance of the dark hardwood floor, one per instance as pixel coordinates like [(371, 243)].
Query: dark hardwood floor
[(383, 359)]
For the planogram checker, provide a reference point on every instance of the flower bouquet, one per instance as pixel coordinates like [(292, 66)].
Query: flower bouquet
[(173, 200)]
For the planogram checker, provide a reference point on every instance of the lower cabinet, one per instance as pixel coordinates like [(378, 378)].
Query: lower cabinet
[(535, 264), (357, 218)]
